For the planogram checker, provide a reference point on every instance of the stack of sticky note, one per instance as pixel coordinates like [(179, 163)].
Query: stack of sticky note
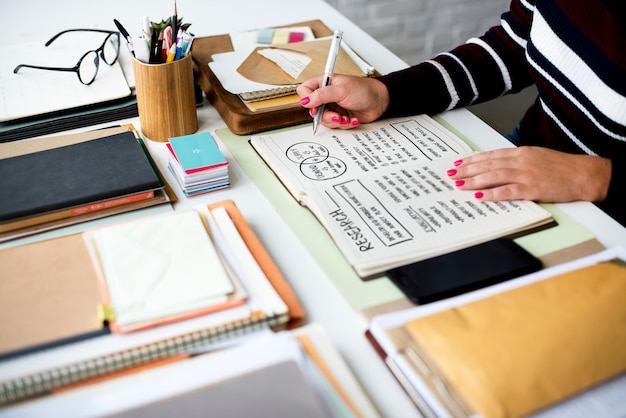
[(197, 163), (279, 36)]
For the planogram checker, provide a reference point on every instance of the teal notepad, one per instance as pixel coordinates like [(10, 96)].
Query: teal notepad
[(197, 152)]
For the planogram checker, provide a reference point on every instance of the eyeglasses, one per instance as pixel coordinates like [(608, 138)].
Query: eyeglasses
[(87, 66)]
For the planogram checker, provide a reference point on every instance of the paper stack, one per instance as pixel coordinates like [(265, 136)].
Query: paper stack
[(164, 285), (197, 163)]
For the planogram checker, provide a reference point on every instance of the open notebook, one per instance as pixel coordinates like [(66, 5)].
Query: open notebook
[(33, 92), (382, 193)]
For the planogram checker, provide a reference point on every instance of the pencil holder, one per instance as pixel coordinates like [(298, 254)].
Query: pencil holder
[(165, 99)]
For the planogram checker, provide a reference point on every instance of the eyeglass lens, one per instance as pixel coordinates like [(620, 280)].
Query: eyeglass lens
[(90, 62), (88, 67), (111, 48)]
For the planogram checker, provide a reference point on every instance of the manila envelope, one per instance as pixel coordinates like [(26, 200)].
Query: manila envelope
[(261, 70), (523, 350)]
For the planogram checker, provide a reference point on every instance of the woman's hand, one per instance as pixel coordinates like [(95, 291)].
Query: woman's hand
[(349, 100), (533, 173)]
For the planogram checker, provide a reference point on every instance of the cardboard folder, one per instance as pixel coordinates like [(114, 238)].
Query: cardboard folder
[(48, 294), (262, 70)]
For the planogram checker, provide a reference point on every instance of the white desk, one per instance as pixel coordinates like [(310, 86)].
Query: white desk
[(27, 21)]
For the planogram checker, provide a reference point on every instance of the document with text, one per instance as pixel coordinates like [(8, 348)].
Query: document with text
[(382, 192)]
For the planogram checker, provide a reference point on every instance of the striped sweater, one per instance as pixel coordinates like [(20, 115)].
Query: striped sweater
[(575, 54)]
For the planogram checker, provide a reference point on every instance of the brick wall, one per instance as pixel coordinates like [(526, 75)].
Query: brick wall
[(418, 29)]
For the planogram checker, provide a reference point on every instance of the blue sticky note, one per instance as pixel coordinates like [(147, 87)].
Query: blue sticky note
[(265, 36), (197, 152)]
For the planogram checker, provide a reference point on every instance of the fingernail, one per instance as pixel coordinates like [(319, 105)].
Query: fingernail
[(344, 121), (355, 122), (459, 183), (478, 195), (305, 101), (451, 172), (458, 163), (335, 119)]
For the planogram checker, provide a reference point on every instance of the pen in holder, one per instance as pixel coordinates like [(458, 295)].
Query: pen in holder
[(166, 99)]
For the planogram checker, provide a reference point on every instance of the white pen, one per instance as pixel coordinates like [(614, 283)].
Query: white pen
[(328, 72)]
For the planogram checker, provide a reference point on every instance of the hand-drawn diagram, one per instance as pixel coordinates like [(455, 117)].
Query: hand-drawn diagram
[(315, 161)]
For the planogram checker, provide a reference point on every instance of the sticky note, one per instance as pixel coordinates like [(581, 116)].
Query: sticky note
[(296, 37), (265, 36), (281, 37)]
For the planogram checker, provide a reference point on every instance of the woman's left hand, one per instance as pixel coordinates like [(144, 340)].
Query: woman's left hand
[(533, 173)]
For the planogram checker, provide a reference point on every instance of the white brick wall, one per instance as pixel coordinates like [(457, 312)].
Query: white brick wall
[(418, 29)]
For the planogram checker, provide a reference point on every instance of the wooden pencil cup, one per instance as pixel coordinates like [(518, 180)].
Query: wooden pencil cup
[(166, 99)]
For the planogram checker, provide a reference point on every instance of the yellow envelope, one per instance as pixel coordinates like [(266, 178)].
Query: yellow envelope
[(517, 352)]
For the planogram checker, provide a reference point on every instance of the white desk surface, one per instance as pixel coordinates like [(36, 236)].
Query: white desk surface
[(29, 20)]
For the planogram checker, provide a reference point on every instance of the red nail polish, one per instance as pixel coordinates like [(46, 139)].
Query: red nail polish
[(459, 183), (355, 122), (478, 195), (451, 172), (344, 121), (458, 163), (335, 119), (305, 101)]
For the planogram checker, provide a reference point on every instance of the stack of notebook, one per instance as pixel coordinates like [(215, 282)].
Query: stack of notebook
[(197, 163), (47, 184)]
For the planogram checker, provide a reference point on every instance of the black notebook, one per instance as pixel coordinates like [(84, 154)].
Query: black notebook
[(75, 175)]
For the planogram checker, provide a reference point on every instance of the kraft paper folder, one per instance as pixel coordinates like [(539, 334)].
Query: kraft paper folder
[(48, 296), (259, 69)]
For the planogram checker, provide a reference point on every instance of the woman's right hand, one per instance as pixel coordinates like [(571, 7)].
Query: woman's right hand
[(349, 100)]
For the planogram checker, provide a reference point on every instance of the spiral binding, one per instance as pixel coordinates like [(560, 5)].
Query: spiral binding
[(255, 96), (45, 381)]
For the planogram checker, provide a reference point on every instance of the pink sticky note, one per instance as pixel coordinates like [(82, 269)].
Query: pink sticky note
[(296, 37)]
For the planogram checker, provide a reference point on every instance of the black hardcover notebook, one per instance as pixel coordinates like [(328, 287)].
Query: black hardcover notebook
[(75, 175)]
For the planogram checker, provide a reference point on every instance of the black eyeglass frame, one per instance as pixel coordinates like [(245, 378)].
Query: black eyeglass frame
[(98, 51)]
